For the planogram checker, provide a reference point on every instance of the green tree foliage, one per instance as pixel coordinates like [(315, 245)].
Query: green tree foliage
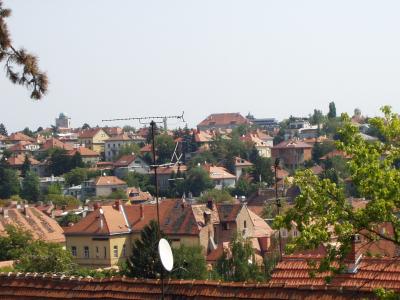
[(21, 67), (129, 149), (59, 161), (69, 218), (42, 257), (76, 161), (9, 183), (321, 149), (165, 147), (239, 265), (217, 196), (198, 180), (243, 187), (128, 128), (13, 244), (141, 181), (63, 201), (202, 158), (76, 176), (332, 110), (85, 126), (317, 118), (30, 187), (263, 169), (118, 194), (26, 166), (145, 261), (322, 211), (28, 132), (189, 263), (3, 130), (54, 189)]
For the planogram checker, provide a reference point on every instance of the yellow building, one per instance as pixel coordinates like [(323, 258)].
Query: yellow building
[(93, 139)]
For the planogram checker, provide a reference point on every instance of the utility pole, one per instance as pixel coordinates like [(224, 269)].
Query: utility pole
[(278, 204)]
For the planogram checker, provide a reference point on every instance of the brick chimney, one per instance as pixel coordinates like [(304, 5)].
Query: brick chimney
[(117, 205), (353, 258), (210, 204), (96, 205)]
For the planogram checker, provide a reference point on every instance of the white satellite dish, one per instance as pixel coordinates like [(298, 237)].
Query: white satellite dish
[(165, 252)]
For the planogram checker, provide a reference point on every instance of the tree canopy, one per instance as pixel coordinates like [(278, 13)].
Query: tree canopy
[(322, 212)]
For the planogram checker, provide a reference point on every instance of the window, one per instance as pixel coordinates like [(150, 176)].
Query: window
[(115, 251), (73, 251), (244, 224), (284, 233), (225, 226), (124, 250), (105, 252), (97, 252), (86, 252), (295, 233)]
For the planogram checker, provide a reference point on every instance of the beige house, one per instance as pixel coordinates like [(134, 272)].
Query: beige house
[(105, 185), (93, 139)]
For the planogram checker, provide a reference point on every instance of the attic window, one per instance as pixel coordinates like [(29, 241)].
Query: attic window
[(225, 226)]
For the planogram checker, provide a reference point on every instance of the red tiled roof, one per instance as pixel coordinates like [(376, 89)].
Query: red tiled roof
[(18, 160), (20, 146), (317, 169), (112, 131), (292, 144), (228, 212), (335, 153), (84, 152), (31, 219), (19, 136), (242, 162), (52, 286), (89, 133), (372, 273), (124, 160), (109, 180), (218, 172), (171, 169), (136, 195), (120, 137), (146, 148), (55, 143), (224, 119)]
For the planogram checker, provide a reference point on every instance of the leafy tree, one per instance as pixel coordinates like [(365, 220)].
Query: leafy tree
[(85, 126), (263, 169), (28, 132), (39, 129), (198, 180), (128, 128), (145, 261), (141, 181), (61, 200), (217, 196), (76, 161), (3, 130), (201, 158), (322, 211), (13, 244), (69, 218), (9, 183), (28, 73), (59, 161), (76, 176), (42, 257), (239, 265), (321, 149), (317, 117), (26, 166), (243, 187), (128, 149), (332, 110), (30, 187), (189, 263), (54, 189), (165, 147), (118, 194)]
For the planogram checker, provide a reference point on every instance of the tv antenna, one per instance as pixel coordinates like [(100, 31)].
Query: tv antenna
[(152, 121)]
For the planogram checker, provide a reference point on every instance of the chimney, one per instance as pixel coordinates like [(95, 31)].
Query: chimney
[(96, 205), (210, 204), (141, 211), (25, 209), (53, 213), (352, 259), (101, 218), (117, 205), (5, 212)]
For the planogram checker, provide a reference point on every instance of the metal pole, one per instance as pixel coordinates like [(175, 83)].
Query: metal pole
[(153, 125), (278, 205)]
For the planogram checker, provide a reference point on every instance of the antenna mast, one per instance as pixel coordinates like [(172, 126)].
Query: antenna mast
[(152, 121)]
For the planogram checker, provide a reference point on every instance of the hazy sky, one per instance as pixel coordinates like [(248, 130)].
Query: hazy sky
[(271, 58)]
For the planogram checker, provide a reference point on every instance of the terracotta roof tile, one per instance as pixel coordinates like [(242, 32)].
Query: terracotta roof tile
[(55, 143), (31, 219), (228, 212), (292, 144), (84, 152), (124, 160), (224, 119), (109, 180), (19, 136), (89, 133), (18, 160)]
